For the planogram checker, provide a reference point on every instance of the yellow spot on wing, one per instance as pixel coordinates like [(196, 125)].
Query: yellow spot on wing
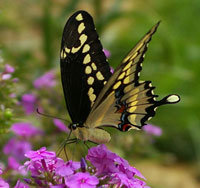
[(127, 58), (92, 97), (87, 59), (104, 83), (79, 17), (127, 66), (81, 27), (133, 56), (99, 76), (83, 38), (63, 54), (173, 98), (91, 90), (121, 76), (67, 50), (132, 98), (133, 103), (132, 119), (117, 85), (86, 48), (126, 80), (88, 70), (94, 66), (90, 80), (132, 109)]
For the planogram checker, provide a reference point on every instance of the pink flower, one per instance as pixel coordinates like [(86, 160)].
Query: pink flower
[(6, 76), (112, 70), (83, 180), (106, 52), (13, 163), (66, 169), (102, 159), (42, 153), (60, 125), (9, 69), (123, 181), (17, 148), (20, 184), (25, 129), (45, 81), (3, 183), (28, 102), (152, 129)]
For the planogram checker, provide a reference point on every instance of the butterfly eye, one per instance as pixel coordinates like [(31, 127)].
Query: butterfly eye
[(73, 126)]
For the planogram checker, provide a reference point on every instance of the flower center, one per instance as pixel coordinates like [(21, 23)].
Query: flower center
[(83, 180)]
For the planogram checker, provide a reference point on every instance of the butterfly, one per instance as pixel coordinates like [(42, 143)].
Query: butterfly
[(96, 98)]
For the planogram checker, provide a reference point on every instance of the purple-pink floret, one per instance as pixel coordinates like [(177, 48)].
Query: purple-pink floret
[(28, 101), (20, 184), (45, 81), (66, 168), (109, 164), (106, 52), (60, 125), (9, 68), (153, 130), (42, 153), (108, 169), (83, 180), (17, 148), (3, 183), (25, 129)]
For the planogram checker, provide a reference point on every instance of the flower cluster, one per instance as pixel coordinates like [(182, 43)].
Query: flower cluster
[(107, 169), (29, 100), (7, 73), (3, 183), (18, 145)]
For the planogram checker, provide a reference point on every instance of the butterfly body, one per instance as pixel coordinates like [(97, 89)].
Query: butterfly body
[(94, 97)]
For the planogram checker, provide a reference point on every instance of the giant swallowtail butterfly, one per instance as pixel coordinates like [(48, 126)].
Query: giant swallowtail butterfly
[(96, 98)]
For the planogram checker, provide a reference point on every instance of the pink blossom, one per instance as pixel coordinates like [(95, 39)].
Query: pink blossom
[(9, 68), (13, 163), (17, 148), (28, 102), (102, 159), (83, 180), (6, 76), (106, 52), (25, 129), (153, 130), (20, 184), (42, 153), (60, 125), (66, 169), (45, 81), (3, 183)]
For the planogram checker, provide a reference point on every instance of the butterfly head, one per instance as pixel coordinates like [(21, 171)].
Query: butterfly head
[(74, 126)]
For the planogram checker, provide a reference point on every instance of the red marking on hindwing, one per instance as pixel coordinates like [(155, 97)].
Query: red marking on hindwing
[(121, 109), (125, 126)]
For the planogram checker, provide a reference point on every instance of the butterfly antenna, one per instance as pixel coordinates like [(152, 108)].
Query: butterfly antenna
[(46, 115)]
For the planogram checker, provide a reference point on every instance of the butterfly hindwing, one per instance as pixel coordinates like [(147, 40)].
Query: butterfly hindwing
[(84, 68), (125, 102)]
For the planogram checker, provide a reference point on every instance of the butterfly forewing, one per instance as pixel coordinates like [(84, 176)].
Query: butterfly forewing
[(125, 102), (84, 68)]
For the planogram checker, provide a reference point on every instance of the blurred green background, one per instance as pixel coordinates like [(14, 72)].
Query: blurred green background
[(30, 37)]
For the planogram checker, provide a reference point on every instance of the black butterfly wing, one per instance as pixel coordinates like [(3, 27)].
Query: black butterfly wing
[(125, 102), (84, 68)]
